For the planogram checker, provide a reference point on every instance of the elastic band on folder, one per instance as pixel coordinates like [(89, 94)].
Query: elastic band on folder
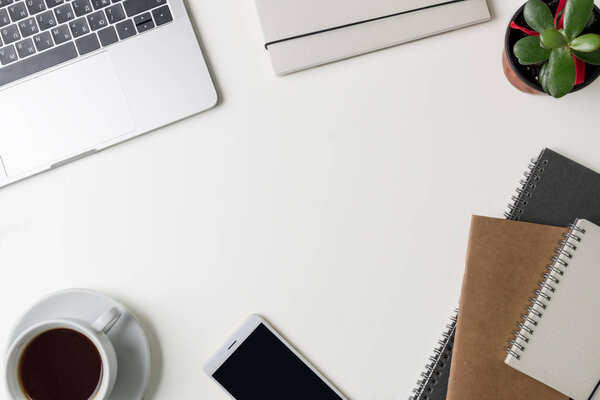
[(594, 392), (361, 22)]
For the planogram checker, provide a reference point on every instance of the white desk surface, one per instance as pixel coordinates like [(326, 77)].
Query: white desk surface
[(335, 202)]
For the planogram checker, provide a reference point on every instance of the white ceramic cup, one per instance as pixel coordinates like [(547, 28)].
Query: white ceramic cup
[(95, 331)]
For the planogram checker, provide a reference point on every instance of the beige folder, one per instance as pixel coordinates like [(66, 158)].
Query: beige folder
[(301, 34)]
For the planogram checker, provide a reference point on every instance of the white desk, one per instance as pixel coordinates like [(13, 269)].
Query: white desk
[(335, 202)]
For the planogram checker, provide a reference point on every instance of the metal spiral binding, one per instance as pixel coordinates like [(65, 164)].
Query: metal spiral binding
[(532, 176), (543, 294), (424, 386)]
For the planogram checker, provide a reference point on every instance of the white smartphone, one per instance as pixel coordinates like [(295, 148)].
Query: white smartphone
[(256, 363)]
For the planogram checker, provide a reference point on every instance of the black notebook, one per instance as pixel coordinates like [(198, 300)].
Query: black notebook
[(555, 191)]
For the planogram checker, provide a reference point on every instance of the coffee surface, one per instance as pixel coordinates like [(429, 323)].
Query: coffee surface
[(60, 364)]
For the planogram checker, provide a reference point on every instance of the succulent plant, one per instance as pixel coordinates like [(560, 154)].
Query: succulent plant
[(554, 47)]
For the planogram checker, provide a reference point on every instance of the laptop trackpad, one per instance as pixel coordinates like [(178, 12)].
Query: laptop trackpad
[(62, 114)]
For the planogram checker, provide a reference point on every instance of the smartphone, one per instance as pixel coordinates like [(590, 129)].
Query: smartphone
[(256, 363)]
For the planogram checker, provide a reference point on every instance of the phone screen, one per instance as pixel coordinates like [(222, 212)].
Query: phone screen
[(264, 368)]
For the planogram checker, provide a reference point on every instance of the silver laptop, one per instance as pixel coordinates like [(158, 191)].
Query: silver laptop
[(77, 76)]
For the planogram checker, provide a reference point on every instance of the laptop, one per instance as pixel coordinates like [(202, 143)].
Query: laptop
[(78, 76)]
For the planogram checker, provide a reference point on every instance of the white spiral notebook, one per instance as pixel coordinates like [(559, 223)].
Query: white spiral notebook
[(558, 340)]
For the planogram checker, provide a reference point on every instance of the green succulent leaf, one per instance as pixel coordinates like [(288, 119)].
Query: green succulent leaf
[(586, 43), (553, 39), (577, 14), (561, 73), (544, 78), (590, 58), (538, 16), (528, 51), (591, 20)]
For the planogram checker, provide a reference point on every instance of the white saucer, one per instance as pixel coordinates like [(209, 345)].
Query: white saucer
[(127, 336)]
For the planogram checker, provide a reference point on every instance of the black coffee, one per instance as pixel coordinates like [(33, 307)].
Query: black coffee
[(60, 364)]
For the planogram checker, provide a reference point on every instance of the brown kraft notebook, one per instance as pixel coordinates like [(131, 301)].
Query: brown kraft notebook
[(505, 259)]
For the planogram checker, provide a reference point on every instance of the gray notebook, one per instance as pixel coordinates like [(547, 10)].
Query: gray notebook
[(558, 342)]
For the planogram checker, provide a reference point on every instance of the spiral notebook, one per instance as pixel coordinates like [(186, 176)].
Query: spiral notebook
[(558, 342), (555, 191), (504, 261)]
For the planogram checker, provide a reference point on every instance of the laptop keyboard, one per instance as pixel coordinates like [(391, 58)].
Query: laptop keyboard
[(40, 34)]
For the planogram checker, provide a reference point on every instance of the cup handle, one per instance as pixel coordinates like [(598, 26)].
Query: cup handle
[(106, 321)]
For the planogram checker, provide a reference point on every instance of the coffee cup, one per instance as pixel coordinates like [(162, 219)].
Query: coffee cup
[(66, 358)]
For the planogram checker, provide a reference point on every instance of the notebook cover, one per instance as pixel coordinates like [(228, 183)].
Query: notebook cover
[(558, 342), (504, 261), (555, 191)]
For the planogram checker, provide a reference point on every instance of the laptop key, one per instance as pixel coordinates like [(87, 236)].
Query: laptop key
[(142, 18), (162, 15), (115, 13), (37, 63), (4, 20), (46, 20), (5, 2), (61, 34), (146, 26), (54, 3), (108, 36), (43, 41), (8, 55), (87, 44), (17, 11), (25, 48), (64, 13), (79, 27), (98, 4), (97, 20), (82, 7), (125, 29), (134, 7), (10, 34), (28, 27), (143, 22), (35, 6)]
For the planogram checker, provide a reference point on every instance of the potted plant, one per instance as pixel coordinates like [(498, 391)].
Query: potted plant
[(553, 46)]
